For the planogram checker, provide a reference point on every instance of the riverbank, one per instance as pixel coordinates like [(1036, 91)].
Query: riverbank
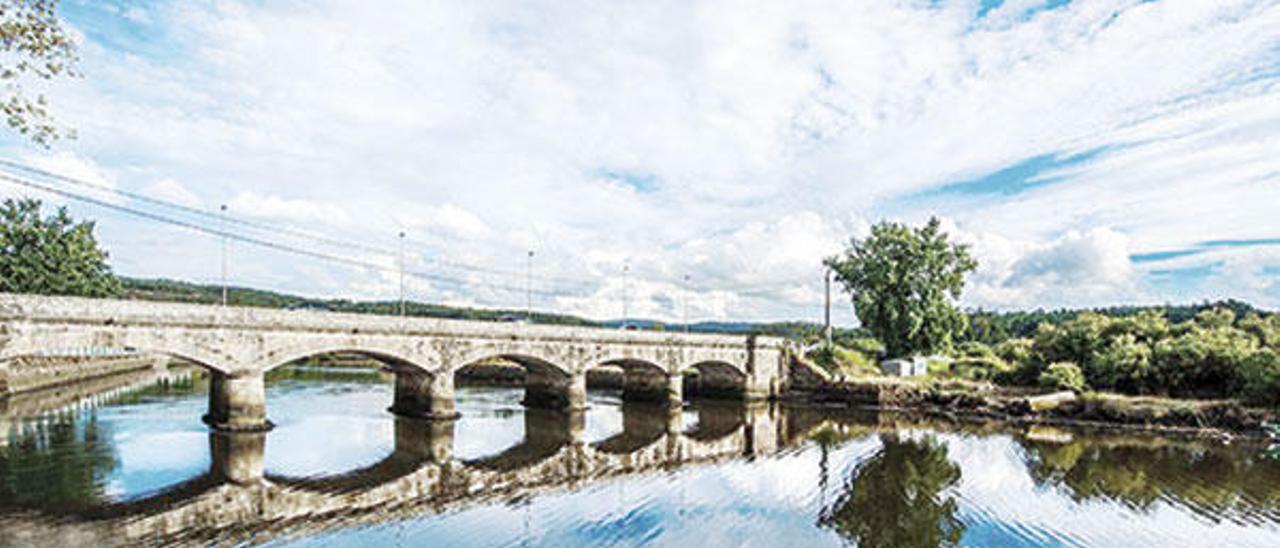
[(975, 400)]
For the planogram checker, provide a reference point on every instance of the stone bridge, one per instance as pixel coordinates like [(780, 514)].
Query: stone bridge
[(238, 345), (235, 500)]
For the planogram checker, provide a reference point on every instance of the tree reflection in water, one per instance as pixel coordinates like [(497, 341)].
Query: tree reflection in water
[(1233, 482), (59, 465), (895, 498)]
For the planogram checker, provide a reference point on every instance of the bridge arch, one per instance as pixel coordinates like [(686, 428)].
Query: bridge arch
[(42, 347), (274, 359), (715, 379)]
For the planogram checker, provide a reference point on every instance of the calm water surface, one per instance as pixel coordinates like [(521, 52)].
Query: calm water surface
[(617, 475)]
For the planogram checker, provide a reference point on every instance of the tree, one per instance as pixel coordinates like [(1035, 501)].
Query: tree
[(52, 255), (904, 284), (34, 46)]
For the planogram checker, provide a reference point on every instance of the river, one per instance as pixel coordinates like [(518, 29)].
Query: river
[(136, 466)]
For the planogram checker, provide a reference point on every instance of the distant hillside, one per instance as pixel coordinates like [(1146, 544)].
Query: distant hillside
[(177, 291), (986, 326)]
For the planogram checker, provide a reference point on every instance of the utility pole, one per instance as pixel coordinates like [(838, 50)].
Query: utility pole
[(402, 273), (223, 208), (826, 279), (626, 268), (686, 304), (528, 288)]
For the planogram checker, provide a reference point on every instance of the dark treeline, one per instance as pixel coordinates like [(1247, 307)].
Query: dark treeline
[(995, 327)]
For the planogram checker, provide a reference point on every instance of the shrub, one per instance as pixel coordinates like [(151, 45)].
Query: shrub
[(867, 346), (1023, 365), (1063, 376), (1261, 372), (1075, 341), (1125, 364), (988, 368), (1204, 362), (836, 359), (974, 349), (1147, 326)]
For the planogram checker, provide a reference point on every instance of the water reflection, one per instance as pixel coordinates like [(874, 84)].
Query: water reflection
[(898, 496), (1232, 482), (339, 469)]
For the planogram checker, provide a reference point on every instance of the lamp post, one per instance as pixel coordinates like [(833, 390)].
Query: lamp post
[(826, 279), (223, 209), (625, 296), (686, 304), (528, 288), (401, 273)]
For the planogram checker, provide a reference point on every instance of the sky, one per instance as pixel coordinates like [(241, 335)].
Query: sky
[(1092, 153)]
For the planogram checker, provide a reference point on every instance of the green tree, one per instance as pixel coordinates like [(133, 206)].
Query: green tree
[(51, 255), (904, 284), (35, 48)]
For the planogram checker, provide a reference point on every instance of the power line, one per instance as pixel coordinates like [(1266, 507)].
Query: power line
[(250, 239), (224, 219), (581, 287)]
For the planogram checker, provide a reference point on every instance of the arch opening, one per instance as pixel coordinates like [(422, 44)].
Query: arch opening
[(546, 384), (715, 379)]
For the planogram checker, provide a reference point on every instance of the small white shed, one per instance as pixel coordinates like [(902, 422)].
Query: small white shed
[(905, 367)]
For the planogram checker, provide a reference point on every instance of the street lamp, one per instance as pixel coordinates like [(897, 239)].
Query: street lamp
[(402, 273), (223, 209), (826, 279), (686, 304), (528, 288), (626, 269)]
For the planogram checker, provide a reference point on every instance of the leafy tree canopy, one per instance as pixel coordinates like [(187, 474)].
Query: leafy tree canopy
[(35, 47), (905, 282), (51, 255)]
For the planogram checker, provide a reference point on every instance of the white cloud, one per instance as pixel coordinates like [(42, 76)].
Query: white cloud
[(252, 204), (766, 136), (171, 190), (452, 219)]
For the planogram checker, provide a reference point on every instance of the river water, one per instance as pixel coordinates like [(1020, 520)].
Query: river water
[(137, 466)]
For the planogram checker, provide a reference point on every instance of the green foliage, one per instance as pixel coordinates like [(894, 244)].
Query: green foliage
[(1261, 372), (867, 346), (1204, 361), (35, 48), (836, 359), (1015, 351), (1062, 376), (904, 284), (985, 368), (51, 255), (1124, 364), (978, 362), (1265, 329), (1074, 341)]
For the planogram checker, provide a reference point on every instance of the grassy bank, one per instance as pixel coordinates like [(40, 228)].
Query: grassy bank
[(1035, 406)]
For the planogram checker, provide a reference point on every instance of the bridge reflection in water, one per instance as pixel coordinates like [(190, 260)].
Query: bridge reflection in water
[(236, 500)]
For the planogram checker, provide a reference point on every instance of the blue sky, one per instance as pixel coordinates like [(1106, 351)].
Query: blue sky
[(1093, 153)]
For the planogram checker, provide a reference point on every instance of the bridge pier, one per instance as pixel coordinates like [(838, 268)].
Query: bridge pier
[(640, 385), (550, 389), (546, 428), (237, 457), (761, 429), (424, 440), (238, 402), (423, 395)]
